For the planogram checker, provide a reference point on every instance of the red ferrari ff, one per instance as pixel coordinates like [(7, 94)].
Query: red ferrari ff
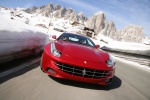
[(76, 57)]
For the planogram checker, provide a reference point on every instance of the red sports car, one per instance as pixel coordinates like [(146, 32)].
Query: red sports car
[(76, 57)]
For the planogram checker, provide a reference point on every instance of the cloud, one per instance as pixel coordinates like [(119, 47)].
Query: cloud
[(28, 5), (82, 5), (128, 12), (121, 12)]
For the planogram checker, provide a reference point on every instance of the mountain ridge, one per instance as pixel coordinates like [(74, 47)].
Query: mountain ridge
[(98, 22)]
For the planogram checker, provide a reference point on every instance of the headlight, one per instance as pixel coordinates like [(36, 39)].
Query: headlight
[(110, 62), (54, 51)]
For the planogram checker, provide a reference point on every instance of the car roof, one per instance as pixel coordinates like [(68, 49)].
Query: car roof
[(75, 34)]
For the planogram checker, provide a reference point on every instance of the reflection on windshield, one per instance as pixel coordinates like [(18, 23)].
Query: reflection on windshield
[(76, 39)]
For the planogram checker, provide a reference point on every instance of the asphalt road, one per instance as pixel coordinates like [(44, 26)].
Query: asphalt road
[(31, 83)]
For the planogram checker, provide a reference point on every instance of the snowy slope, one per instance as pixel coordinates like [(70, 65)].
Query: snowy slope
[(17, 38), (103, 41), (128, 47)]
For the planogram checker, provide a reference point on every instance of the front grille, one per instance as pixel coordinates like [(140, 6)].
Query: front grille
[(82, 72)]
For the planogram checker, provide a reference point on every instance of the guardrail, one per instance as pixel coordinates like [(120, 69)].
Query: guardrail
[(140, 59)]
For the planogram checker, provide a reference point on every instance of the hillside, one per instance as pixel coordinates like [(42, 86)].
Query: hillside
[(98, 22)]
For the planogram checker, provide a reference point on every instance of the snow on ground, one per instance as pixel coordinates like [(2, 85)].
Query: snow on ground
[(123, 45), (143, 67), (128, 47), (16, 35)]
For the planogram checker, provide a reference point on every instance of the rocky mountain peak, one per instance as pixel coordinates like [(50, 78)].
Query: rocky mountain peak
[(99, 13), (68, 12), (132, 33), (50, 6), (59, 12), (97, 22), (57, 7)]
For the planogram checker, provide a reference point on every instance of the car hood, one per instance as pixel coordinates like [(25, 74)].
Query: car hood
[(81, 52)]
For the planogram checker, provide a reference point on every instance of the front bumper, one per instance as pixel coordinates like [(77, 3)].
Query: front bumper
[(50, 67)]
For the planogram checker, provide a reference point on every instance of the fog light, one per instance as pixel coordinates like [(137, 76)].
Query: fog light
[(51, 71)]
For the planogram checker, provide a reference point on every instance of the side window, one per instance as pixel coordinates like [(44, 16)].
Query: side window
[(82, 41), (73, 39), (63, 37), (90, 43)]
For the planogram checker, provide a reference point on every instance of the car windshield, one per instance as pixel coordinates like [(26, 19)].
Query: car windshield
[(76, 39)]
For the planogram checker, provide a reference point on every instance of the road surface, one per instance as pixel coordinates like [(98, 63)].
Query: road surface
[(30, 83)]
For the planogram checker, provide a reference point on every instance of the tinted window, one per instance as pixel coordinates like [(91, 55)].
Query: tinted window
[(76, 39)]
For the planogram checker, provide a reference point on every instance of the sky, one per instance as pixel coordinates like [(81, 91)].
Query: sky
[(122, 12)]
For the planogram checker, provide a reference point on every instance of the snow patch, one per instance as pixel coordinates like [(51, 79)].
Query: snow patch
[(17, 36)]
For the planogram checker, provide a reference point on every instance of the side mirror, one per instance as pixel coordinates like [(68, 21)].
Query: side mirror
[(97, 46), (54, 36)]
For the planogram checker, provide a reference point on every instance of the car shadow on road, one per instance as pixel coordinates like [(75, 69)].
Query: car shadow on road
[(116, 83)]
